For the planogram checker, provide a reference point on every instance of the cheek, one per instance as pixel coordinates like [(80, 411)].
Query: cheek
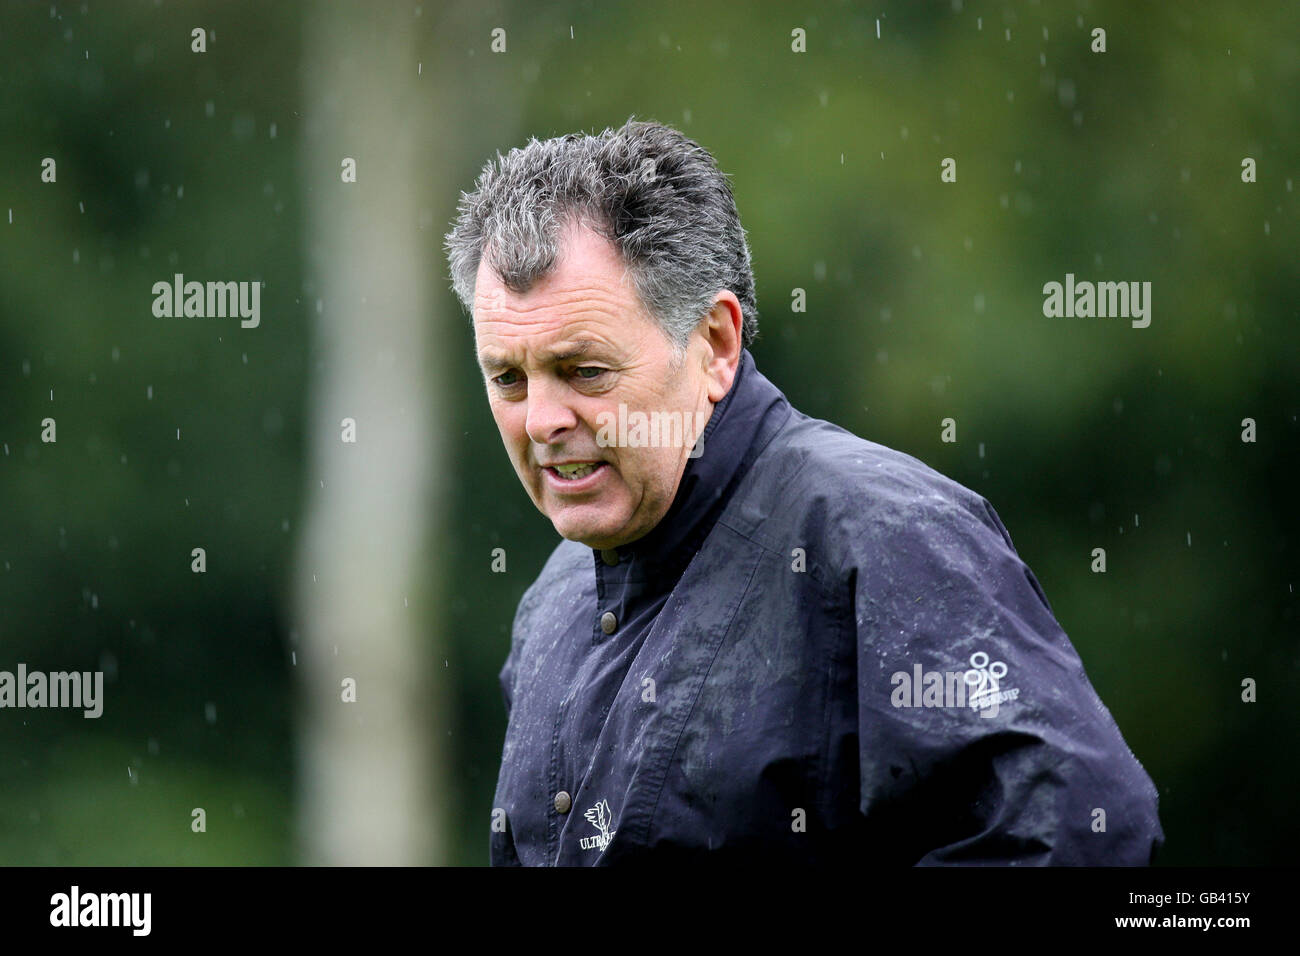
[(647, 470), (511, 426)]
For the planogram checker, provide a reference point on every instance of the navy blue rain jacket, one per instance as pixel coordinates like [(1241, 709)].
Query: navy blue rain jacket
[(825, 652)]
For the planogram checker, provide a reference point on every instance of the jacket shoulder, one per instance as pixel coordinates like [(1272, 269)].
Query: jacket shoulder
[(846, 493)]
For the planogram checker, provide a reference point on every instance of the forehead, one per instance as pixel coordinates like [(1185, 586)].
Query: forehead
[(587, 294)]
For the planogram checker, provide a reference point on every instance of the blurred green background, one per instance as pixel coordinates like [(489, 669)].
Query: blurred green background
[(924, 301)]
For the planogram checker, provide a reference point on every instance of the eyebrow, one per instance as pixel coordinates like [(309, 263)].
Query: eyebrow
[(493, 363)]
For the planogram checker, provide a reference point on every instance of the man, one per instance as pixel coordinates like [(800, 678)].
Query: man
[(769, 641)]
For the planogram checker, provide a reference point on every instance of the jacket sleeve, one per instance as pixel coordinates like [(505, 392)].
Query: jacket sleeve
[(981, 739), (501, 844), (506, 678), (518, 630)]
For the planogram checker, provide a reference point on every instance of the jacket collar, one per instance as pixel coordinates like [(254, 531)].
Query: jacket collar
[(740, 426)]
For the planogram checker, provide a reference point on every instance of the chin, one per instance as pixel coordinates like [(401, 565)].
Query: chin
[(583, 534), (592, 523), (596, 536)]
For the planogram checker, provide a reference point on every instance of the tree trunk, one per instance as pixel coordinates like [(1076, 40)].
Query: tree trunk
[(371, 781)]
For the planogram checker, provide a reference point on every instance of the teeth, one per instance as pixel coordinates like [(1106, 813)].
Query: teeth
[(575, 471)]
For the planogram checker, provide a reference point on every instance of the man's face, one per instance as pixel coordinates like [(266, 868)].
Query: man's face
[(575, 346)]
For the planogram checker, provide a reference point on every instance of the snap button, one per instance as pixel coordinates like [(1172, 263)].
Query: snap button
[(608, 622), (610, 557), (563, 801)]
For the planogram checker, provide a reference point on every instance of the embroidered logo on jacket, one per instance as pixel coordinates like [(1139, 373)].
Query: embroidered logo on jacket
[(984, 678), (599, 817)]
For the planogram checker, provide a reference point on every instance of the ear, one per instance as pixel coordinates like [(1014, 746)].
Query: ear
[(720, 333)]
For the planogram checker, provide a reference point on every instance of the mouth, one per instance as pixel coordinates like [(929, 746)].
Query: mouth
[(575, 476), (575, 470)]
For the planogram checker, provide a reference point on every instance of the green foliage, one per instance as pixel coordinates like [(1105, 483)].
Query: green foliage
[(924, 302)]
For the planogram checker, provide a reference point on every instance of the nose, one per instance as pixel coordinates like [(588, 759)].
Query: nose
[(549, 415)]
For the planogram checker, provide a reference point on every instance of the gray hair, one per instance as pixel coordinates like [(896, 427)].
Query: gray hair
[(656, 195)]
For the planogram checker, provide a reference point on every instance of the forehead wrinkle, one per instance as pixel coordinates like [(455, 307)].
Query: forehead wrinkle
[(545, 314), (599, 298), (588, 323)]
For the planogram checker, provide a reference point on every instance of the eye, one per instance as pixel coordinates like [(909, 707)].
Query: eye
[(594, 369), (506, 379)]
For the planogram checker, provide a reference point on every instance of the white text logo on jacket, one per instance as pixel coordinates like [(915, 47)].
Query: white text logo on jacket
[(983, 677), (599, 817)]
